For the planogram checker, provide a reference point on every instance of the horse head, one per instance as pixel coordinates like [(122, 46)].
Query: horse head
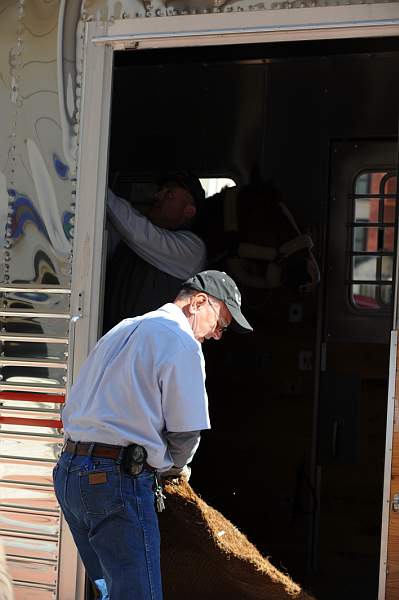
[(251, 232)]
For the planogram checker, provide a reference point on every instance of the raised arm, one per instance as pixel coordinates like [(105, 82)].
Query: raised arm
[(178, 253)]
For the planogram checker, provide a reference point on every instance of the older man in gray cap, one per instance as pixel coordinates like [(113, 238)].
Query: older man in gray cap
[(135, 414)]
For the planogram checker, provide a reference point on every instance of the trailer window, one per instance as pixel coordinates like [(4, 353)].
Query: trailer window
[(373, 240), (213, 185), (140, 189)]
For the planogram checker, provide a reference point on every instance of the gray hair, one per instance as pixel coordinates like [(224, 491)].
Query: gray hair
[(186, 293)]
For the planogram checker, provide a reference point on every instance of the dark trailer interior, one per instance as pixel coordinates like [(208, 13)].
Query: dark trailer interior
[(295, 457)]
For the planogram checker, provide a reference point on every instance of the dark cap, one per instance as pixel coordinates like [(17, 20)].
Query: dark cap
[(187, 181), (219, 285)]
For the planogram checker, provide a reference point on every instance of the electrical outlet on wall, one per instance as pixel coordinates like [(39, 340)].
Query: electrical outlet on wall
[(305, 360), (295, 312), (292, 387)]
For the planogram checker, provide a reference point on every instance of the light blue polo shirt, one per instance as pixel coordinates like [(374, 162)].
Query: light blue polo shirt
[(145, 377)]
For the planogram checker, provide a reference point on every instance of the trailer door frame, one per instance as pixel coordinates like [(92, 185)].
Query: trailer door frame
[(392, 423), (294, 24), (100, 41), (87, 265)]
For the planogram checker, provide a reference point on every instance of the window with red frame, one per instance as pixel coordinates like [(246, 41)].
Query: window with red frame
[(373, 240)]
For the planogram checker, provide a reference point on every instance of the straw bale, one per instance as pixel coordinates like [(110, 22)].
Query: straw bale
[(205, 557)]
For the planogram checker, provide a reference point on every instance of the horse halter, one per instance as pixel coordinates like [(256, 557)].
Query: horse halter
[(240, 264)]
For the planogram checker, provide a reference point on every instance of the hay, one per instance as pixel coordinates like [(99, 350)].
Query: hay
[(204, 557)]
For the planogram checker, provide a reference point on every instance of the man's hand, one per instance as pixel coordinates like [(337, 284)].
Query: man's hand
[(176, 474)]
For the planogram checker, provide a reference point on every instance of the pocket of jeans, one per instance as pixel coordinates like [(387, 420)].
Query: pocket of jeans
[(101, 490)]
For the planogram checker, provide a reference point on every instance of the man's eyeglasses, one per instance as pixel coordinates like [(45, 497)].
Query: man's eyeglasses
[(221, 325)]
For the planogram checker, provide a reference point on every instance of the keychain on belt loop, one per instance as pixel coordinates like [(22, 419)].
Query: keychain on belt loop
[(159, 495)]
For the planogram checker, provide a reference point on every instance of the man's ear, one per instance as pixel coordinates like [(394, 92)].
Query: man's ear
[(190, 211), (198, 301)]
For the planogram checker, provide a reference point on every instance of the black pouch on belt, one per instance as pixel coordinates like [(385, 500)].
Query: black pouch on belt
[(134, 458)]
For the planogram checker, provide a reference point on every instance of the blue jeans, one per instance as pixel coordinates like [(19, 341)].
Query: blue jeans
[(114, 524)]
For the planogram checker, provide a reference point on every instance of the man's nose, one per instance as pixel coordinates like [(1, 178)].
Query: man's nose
[(217, 334)]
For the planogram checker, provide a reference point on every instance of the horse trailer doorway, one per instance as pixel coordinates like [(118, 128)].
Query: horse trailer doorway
[(295, 457)]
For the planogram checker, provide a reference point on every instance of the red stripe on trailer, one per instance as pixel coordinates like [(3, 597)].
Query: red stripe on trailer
[(52, 423), (33, 397)]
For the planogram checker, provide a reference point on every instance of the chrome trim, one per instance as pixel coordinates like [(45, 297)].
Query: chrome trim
[(40, 509), (39, 460), (33, 574), (27, 585), (388, 465), (29, 409), (44, 435), (33, 288), (125, 39), (36, 315), (38, 428), (319, 22), (41, 389), (58, 439), (27, 589), (35, 484), (27, 362), (30, 584), (18, 469), (32, 497), (37, 413), (71, 346), (18, 545), (29, 523), (87, 269), (9, 337)]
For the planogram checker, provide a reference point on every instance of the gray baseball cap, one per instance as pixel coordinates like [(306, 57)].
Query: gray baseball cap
[(221, 286), (188, 181)]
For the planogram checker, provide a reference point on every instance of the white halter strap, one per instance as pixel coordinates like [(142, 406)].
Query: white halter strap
[(258, 251), (248, 251)]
